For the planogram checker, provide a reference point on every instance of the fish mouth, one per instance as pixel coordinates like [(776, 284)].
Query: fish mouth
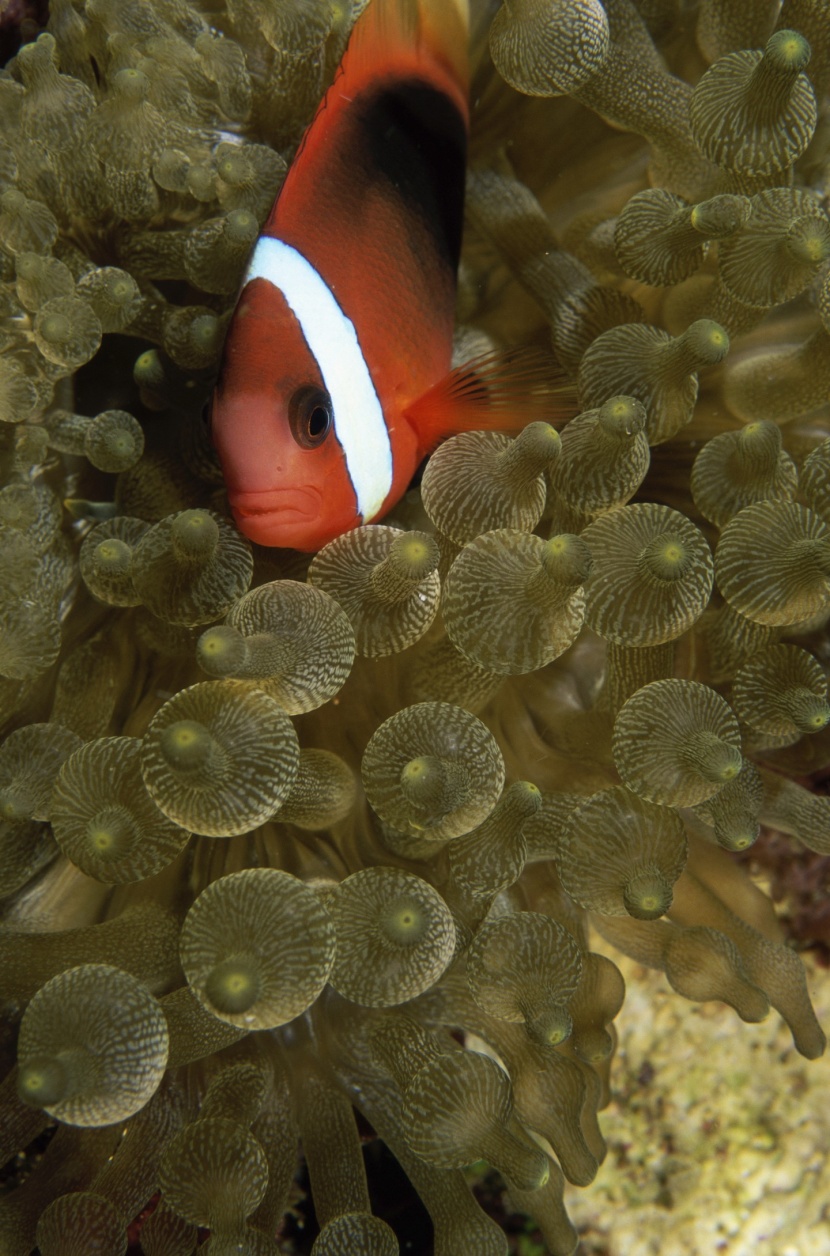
[(293, 505), (284, 518)]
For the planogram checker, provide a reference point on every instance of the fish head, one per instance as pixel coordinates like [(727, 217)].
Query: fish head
[(272, 424)]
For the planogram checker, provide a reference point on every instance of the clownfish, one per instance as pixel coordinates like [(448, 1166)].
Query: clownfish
[(336, 379)]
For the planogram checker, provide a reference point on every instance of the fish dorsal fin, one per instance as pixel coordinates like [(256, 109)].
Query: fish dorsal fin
[(504, 391), (383, 27), (388, 30)]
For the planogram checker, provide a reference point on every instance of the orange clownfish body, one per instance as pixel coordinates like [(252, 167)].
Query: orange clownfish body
[(335, 380)]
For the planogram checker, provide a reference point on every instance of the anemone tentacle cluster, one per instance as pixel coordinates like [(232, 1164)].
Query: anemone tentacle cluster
[(282, 839)]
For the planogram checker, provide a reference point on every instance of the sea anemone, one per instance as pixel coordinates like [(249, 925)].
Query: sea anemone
[(327, 849)]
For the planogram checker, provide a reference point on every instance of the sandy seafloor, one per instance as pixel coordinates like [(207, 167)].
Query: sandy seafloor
[(718, 1132)]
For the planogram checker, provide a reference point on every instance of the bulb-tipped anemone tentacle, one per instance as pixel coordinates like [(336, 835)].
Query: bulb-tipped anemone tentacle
[(661, 371), (387, 583), (720, 30), (610, 448), (650, 578), (324, 791), (104, 820), (19, 396), (550, 1089), (30, 759), (491, 856), (291, 640), (736, 469), (778, 251), (302, 853), (27, 225), (509, 573), (814, 480), (782, 691), (67, 332), (257, 948), (220, 757), (472, 1094), (526, 968), (191, 567), (576, 304), (106, 560), (39, 279), (621, 79), (214, 1173), (753, 112), (440, 672), (356, 1231), (395, 936), (781, 381), (639, 846), (631, 667), (216, 251), (533, 45), (734, 811), (660, 239), (433, 770), (730, 639), (676, 742), (481, 481), (781, 576), (101, 1063), (113, 294)]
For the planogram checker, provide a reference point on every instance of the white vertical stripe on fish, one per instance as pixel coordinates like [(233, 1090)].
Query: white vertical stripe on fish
[(358, 416)]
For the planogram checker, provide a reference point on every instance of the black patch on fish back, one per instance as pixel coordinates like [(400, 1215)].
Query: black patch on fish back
[(416, 140)]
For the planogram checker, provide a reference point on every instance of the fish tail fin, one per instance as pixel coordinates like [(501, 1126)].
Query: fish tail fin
[(502, 391), (429, 35)]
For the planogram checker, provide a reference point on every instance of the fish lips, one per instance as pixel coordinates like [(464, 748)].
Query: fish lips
[(288, 518)]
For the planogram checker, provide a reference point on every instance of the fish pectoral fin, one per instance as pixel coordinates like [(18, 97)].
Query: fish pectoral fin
[(504, 391)]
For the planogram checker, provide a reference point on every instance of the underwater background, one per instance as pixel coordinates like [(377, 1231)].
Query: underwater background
[(389, 830)]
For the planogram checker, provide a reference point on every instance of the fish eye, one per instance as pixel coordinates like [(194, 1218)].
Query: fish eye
[(310, 416)]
